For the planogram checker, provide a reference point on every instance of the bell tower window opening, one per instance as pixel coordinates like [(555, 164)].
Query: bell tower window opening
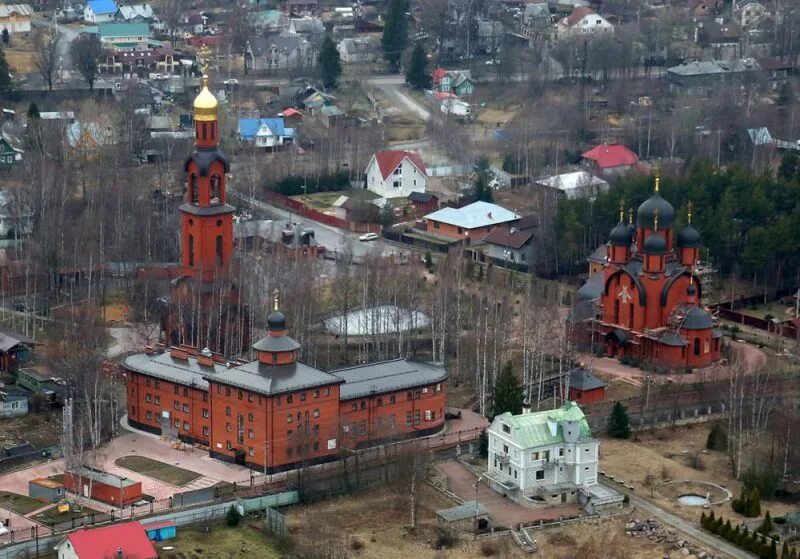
[(215, 189), (697, 346), (194, 190), (219, 250), (191, 250)]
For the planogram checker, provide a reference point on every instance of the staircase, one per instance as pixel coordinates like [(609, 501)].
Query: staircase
[(524, 541)]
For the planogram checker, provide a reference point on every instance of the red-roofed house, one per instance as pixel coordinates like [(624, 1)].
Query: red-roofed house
[(611, 159), (437, 76), (292, 116), (393, 174), (127, 540), (583, 21)]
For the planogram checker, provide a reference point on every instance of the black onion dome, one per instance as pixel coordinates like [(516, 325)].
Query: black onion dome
[(689, 237), (276, 321), (655, 244), (620, 235), (645, 215)]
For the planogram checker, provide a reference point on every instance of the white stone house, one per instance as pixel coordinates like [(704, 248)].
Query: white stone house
[(583, 21), (542, 457), (395, 174)]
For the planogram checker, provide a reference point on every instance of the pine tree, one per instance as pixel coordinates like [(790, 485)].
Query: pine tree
[(233, 517), (773, 550), (717, 439), (33, 110), (753, 505), (703, 519), (482, 190), (785, 550), (6, 37), (330, 63), (508, 393), (417, 74), (618, 425), (727, 530), (428, 261), (395, 33), (766, 526), (5, 75)]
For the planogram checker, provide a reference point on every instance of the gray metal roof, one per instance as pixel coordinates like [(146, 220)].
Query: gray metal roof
[(387, 376), (274, 379), (104, 477), (10, 339), (463, 511), (276, 343), (581, 379), (697, 319), (672, 339), (164, 366)]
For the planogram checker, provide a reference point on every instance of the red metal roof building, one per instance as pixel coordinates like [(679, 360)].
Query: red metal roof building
[(611, 158), (388, 161), (127, 540)]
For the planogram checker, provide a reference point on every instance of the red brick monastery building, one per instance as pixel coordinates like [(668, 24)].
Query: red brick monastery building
[(646, 301), (274, 412)]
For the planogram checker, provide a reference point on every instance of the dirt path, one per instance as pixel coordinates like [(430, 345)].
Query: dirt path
[(688, 529)]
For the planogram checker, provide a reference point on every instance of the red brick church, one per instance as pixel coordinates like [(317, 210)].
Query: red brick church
[(646, 301), (273, 412)]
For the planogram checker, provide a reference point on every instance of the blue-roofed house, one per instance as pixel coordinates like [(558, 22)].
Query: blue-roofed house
[(100, 11), (471, 223), (265, 132)]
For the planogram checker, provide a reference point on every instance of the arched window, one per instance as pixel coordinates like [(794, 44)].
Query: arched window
[(697, 346), (215, 198), (219, 250), (191, 250), (194, 191)]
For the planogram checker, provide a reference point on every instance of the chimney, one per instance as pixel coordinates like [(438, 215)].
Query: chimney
[(178, 353), (526, 406), (148, 349)]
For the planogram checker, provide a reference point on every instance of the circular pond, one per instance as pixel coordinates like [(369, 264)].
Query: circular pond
[(692, 500)]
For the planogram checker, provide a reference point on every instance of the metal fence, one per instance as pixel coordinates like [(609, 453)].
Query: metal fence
[(10, 462), (275, 522), (37, 541)]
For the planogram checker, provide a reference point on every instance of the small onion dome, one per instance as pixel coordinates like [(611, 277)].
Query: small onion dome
[(691, 290), (689, 237), (697, 319), (620, 235), (276, 321), (205, 104), (655, 244), (645, 215)]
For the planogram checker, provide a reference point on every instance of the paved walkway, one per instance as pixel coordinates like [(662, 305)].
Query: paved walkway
[(502, 511), (687, 528), (753, 358)]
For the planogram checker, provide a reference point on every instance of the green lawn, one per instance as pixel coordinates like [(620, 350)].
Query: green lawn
[(777, 310), (221, 542), (20, 504), (158, 470)]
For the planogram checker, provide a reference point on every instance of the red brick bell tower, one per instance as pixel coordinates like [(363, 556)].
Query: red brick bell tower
[(205, 308)]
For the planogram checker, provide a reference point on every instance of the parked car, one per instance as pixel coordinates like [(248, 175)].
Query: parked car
[(368, 237)]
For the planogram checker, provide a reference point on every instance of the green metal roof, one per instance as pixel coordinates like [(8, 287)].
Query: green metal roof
[(544, 427), (112, 30)]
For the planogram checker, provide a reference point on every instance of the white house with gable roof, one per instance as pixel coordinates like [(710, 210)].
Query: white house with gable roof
[(546, 457), (395, 174)]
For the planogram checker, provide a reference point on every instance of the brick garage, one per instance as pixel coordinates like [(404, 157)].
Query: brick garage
[(103, 487)]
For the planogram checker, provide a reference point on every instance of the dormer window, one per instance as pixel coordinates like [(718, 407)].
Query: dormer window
[(506, 428)]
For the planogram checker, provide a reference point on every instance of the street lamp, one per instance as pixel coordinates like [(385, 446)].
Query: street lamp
[(477, 484)]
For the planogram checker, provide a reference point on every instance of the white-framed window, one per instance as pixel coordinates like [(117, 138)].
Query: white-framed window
[(396, 184), (427, 415)]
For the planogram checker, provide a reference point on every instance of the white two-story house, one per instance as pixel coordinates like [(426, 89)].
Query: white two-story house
[(395, 174), (543, 457)]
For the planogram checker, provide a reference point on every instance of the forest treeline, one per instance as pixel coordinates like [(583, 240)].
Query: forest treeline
[(750, 222)]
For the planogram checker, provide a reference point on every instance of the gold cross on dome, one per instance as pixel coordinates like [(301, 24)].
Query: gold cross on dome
[(276, 295), (656, 213)]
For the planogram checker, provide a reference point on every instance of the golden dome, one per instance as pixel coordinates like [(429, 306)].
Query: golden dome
[(205, 104)]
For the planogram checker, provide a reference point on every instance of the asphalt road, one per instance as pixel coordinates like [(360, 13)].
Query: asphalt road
[(334, 239)]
